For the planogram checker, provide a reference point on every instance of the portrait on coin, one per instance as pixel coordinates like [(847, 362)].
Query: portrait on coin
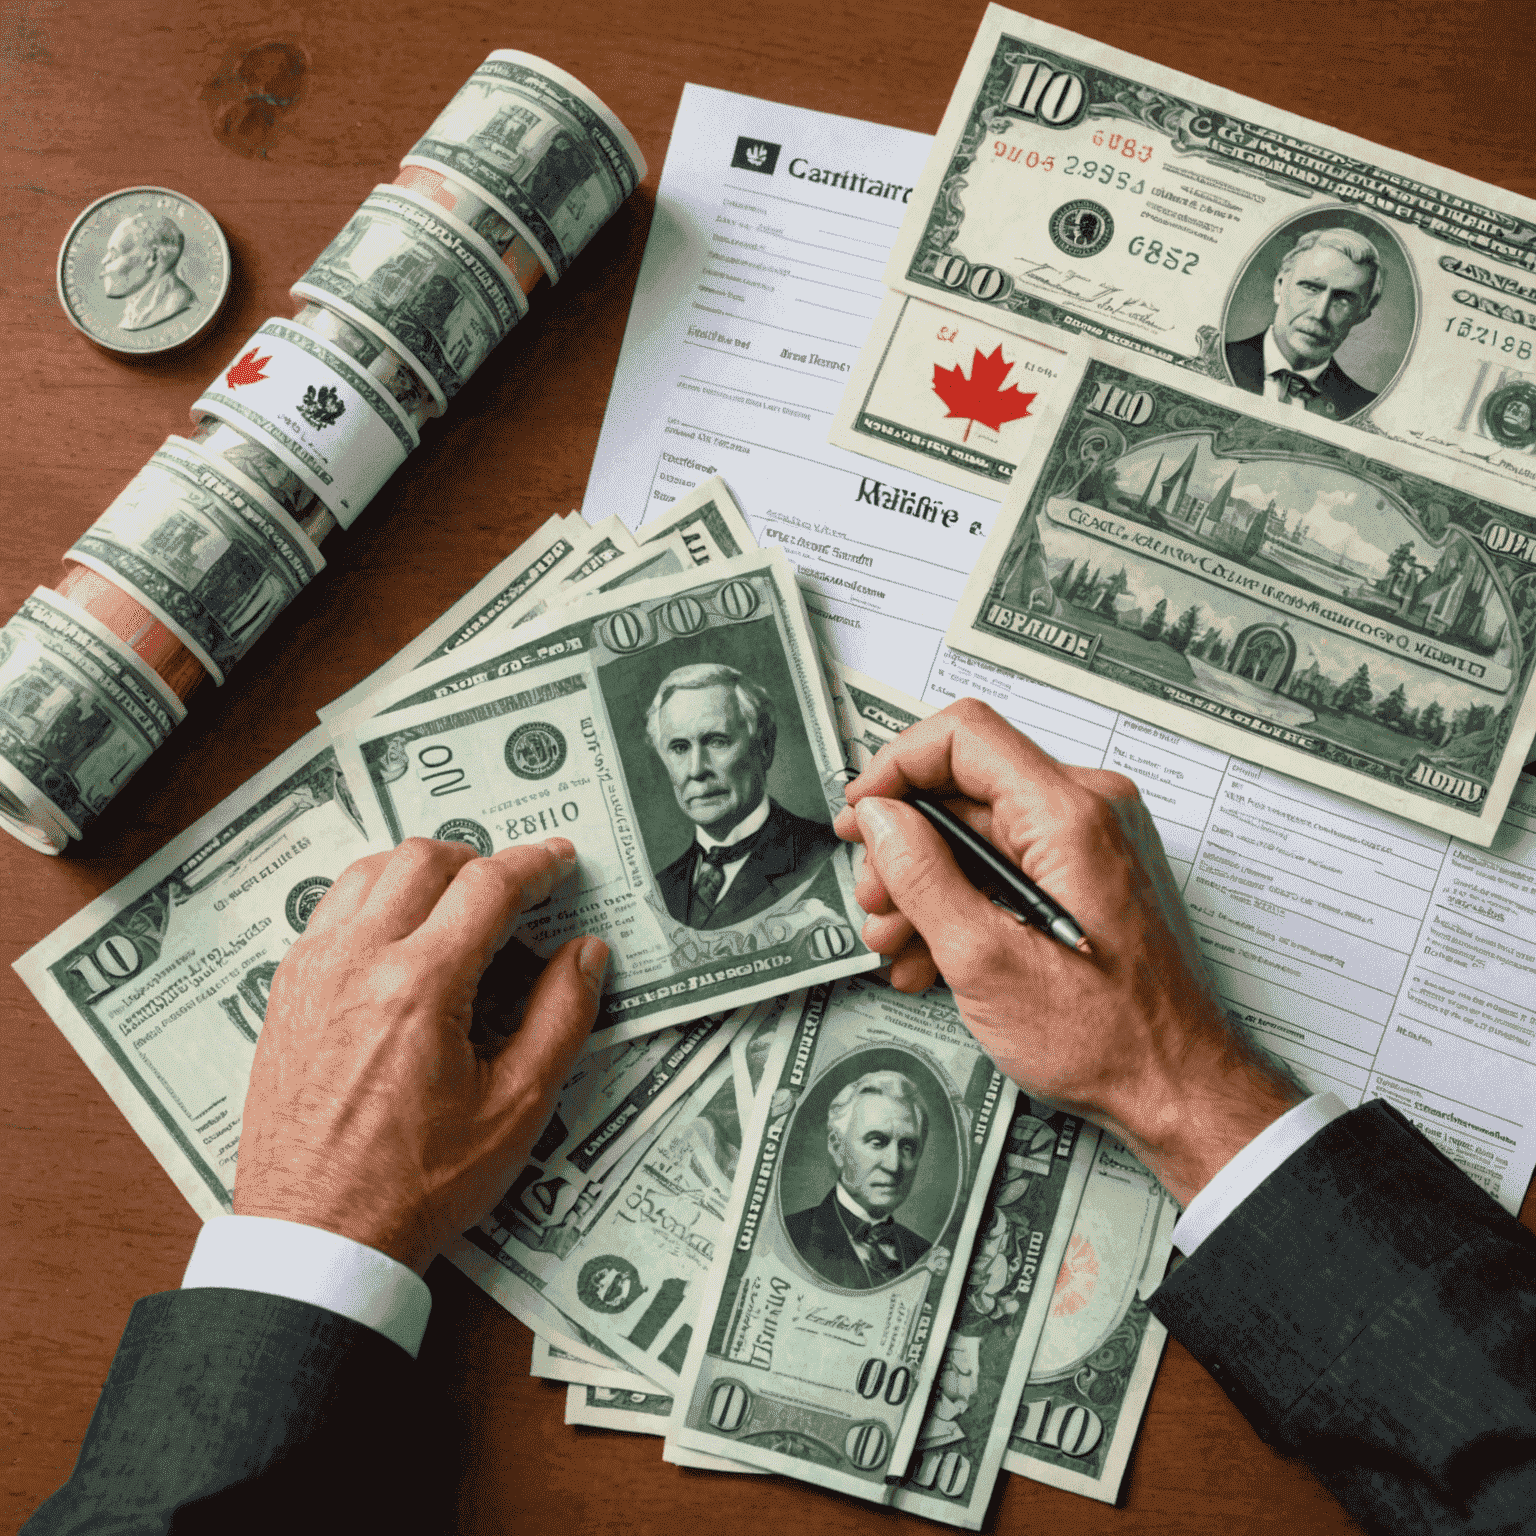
[(140, 266), (1322, 316), (870, 1171)]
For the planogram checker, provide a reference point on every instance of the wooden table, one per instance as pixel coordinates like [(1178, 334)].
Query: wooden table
[(279, 118)]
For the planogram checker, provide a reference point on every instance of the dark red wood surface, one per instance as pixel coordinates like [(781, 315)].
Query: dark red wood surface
[(279, 118)]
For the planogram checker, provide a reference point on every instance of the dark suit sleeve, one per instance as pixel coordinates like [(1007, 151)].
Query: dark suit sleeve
[(233, 1411), (1372, 1311)]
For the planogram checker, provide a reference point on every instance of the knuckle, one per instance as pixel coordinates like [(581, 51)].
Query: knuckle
[(972, 712), (420, 854)]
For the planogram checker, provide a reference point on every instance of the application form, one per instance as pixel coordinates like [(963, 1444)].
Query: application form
[(1380, 959)]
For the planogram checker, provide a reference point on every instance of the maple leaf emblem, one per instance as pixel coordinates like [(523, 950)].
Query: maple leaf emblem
[(982, 396), (757, 154), (247, 370)]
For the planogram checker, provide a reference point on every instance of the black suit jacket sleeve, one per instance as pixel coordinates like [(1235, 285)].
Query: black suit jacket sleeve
[(233, 1411), (1371, 1310)]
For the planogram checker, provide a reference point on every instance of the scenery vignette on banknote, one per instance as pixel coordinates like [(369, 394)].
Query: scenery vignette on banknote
[(587, 691), (1074, 189), (814, 1357), (161, 984), (1242, 573)]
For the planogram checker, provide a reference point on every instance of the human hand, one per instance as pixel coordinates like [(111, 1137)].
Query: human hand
[(1132, 1037), (369, 1112)]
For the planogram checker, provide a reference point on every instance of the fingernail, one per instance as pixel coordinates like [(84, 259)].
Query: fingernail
[(563, 849), (846, 824), (592, 962), (875, 820)]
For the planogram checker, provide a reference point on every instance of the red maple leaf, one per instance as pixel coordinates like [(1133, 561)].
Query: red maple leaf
[(982, 396), (248, 369)]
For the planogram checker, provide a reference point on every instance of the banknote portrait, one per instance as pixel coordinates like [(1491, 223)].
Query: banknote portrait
[(729, 804), (140, 266), (871, 1170), (1322, 314)]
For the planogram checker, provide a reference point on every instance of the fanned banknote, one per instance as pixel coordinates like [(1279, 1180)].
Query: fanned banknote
[(1099, 1350), (653, 714), (554, 1362), (1076, 190), (861, 1187), (1256, 578), (161, 984), (1009, 1287)]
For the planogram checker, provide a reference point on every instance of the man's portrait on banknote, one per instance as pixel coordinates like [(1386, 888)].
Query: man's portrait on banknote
[(870, 1171), (1332, 281)]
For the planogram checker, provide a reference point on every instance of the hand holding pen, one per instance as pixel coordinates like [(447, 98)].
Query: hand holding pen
[(1128, 1032)]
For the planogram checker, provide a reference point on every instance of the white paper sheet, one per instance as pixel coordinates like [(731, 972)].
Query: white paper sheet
[(1379, 958)]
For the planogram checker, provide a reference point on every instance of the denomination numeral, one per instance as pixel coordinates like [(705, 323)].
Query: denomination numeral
[(1069, 1428), (986, 283), (1051, 96), (1133, 408), (946, 1472), (433, 761), (114, 961), (873, 1376)]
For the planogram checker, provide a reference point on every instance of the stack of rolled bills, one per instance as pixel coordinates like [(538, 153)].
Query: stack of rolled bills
[(207, 544)]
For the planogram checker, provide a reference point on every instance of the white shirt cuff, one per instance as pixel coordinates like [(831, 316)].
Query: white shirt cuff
[(1239, 1178), (309, 1264)]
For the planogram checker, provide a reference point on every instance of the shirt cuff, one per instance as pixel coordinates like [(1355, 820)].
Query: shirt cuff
[(309, 1264), (1239, 1178)]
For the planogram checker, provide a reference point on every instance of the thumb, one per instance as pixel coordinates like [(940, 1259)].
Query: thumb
[(924, 883), (561, 1009)]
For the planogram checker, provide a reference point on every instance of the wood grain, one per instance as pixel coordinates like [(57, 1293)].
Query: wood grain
[(279, 118)]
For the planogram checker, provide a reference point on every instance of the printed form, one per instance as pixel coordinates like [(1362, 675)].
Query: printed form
[(1379, 958)]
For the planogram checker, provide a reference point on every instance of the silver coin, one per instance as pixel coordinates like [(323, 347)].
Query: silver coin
[(143, 270)]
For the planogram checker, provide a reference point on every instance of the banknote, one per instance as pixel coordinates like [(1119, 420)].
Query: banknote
[(216, 439), (628, 1100), (385, 364), (636, 1413), (863, 1177), (161, 984), (79, 715), (1098, 1352), (422, 281), (634, 727), (552, 1362), (1074, 189), (634, 1275), (1252, 577), (546, 153), (204, 549), (494, 601), (709, 521), (1024, 1232), (944, 395), (314, 409)]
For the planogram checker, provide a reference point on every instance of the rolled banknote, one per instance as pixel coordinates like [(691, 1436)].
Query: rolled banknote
[(79, 715), (204, 549), (1098, 1353), (306, 402), (1076, 190), (421, 281), (593, 727), (543, 151), (863, 1179), (1009, 1285), (517, 256)]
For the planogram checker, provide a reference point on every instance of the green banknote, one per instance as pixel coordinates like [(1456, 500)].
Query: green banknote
[(649, 716), (161, 984), (1009, 1285), (1098, 1353), (1075, 190), (862, 1182)]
